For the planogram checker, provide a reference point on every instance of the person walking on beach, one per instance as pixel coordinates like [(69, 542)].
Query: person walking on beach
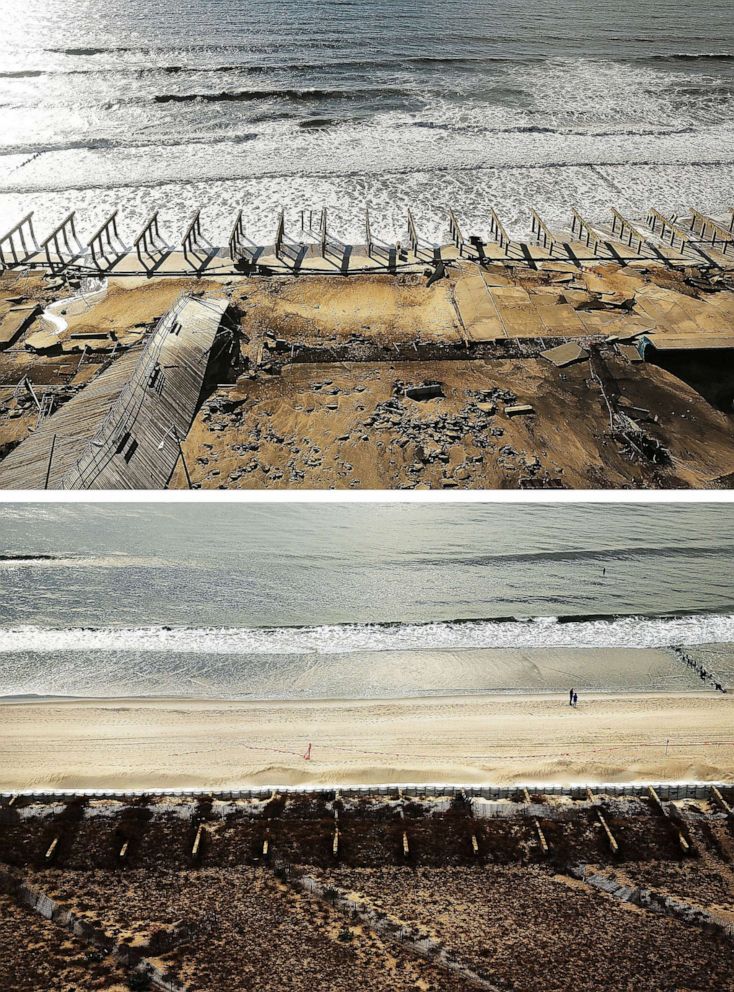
[(574, 699), (571, 694)]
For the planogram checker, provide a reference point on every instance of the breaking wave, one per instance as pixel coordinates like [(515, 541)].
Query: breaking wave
[(305, 95), (509, 632)]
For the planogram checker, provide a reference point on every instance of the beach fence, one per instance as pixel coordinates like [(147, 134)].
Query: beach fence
[(498, 232), (627, 232), (713, 233), (377, 249), (62, 246), (674, 241), (19, 243), (455, 231), (35, 899), (149, 246), (105, 245)]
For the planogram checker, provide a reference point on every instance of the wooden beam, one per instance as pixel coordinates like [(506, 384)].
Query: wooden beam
[(236, 237), (412, 233), (720, 801), (656, 801), (280, 234), (610, 836), (536, 822), (406, 845), (682, 842), (197, 841), (605, 826), (541, 836)]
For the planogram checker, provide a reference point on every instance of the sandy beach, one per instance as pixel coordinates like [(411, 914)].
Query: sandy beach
[(217, 744)]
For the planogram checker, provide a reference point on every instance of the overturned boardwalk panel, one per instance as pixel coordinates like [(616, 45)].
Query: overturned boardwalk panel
[(137, 446), (122, 431)]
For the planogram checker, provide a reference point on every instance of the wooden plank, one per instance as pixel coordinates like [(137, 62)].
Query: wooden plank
[(53, 847)]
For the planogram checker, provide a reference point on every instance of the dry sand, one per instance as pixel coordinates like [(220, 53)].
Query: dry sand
[(177, 743), (319, 426)]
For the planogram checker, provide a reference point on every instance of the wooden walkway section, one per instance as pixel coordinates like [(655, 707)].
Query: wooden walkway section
[(123, 431), (137, 446), (67, 431)]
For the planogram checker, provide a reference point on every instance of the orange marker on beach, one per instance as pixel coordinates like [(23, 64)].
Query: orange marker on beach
[(307, 755)]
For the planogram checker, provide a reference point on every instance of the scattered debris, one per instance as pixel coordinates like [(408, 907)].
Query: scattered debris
[(565, 354)]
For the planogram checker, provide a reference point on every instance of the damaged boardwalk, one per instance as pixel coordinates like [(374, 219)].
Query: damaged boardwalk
[(593, 356), (124, 430)]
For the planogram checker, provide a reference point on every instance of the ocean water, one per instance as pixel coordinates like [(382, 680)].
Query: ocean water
[(305, 103), (314, 600)]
